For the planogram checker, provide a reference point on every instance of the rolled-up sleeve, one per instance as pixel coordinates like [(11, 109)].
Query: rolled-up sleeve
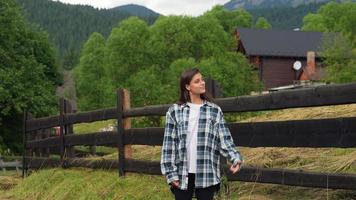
[(227, 145), (169, 146)]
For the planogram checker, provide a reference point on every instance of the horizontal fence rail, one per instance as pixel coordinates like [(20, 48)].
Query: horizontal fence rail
[(42, 123), (86, 117), (306, 97), (338, 132), (247, 174), (109, 138), (12, 164)]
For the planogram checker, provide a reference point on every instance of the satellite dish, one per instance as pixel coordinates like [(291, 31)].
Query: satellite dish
[(297, 65)]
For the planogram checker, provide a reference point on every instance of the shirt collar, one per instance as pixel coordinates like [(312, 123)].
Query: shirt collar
[(205, 103)]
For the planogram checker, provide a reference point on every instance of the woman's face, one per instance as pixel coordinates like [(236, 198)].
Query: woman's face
[(196, 85)]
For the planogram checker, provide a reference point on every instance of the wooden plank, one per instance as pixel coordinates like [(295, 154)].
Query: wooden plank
[(339, 132), (47, 134), (144, 136), (213, 88), (126, 121), (13, 164), (68, 129), (72, 118), (120, 132), (27, 135), (109, 138), (62, 104), (275, 73), (41, 123), (147, 111), (38, 136), (10, 165), (334, 94), (92, 116), (324, 95), (44, 143), (55, 150), (1, 164), (294, 178), (264, 175), (24, 140)]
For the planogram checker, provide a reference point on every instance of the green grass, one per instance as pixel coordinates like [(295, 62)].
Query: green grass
[(93, 127), (89, 184), (101, 184)]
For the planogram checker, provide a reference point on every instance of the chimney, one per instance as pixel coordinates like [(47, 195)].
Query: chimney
[(311, 62), (309, 71)]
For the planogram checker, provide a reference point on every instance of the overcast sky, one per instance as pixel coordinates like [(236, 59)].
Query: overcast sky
[(165, 7)]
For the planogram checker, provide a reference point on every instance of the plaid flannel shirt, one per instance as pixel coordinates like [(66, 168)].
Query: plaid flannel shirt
[(214, 139)]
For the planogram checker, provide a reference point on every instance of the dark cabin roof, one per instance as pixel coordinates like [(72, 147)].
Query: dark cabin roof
[(261, 42)]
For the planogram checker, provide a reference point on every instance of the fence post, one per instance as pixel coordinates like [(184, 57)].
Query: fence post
[(69, 128), (46, 134), (62, 104), (24, 142), (120, 131), (127, 121), (37, 136), (2, 164), (212, 86), (26, 116), (42, 136)]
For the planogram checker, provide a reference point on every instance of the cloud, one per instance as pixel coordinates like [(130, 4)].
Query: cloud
[(165, 7)]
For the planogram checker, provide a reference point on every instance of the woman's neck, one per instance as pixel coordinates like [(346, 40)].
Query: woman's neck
[(196, 99)]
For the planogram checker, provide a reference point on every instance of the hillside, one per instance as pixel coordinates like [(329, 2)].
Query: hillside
[(69, 26), (136, 10), (252, 4), (281, 14), (285, 17)]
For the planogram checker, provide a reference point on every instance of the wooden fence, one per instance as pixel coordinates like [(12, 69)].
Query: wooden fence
[(338, 132), (15, 164)]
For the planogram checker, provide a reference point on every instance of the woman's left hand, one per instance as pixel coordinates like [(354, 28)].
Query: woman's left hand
[(235, 168)]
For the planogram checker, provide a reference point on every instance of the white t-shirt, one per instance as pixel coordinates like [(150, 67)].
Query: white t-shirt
[(192, 136)]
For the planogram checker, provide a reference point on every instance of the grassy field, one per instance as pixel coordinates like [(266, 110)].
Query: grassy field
[(100, 184)]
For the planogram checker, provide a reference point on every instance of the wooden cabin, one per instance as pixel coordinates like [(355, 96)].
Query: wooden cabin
[(273, 53)]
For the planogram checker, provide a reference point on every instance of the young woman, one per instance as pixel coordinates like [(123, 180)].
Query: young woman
[(195, 136)]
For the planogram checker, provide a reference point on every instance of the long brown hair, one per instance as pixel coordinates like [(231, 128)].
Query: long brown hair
[(185, 79)]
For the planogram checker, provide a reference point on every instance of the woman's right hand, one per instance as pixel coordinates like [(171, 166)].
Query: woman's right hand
[(175, 183)]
